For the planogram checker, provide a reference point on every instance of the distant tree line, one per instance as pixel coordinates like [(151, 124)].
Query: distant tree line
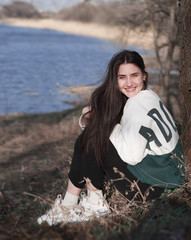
[(19, 9), (107, 13)]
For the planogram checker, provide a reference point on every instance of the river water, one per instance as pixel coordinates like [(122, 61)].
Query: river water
[(36, 63)]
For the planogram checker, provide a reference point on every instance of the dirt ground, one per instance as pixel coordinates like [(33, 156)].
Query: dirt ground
[(36, 152), (35, 157)]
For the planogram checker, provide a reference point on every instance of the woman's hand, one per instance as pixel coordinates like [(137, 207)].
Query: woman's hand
[(83, 118)]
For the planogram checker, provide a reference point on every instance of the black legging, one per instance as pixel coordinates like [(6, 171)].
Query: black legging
[(85, 166)]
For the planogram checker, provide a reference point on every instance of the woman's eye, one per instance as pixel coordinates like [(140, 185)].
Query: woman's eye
[(121, 77)]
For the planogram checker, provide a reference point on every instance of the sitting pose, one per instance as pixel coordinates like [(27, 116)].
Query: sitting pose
[(128, 137)]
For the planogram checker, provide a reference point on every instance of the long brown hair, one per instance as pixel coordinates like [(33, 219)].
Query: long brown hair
[(107, 104)]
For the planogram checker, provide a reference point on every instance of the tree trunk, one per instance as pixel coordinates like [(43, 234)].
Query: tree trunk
[(164, 61), (185, 76), (171, 45)]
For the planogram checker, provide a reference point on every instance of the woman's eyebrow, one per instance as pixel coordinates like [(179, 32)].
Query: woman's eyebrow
[(134, 73), (121, 74)]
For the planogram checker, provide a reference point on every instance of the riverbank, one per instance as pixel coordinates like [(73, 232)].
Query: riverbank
[(113, 33)]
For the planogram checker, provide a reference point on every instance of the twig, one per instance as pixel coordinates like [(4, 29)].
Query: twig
[(25, 233), (35, 196), (121, 214), (15, 224), (137, 186)]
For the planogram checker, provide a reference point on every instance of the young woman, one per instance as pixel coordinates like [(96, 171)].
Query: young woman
[(128, 137)]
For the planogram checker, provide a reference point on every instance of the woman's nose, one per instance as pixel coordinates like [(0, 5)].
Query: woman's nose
[(128, 82)]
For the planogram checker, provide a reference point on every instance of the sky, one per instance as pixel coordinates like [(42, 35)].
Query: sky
[(52, 5)]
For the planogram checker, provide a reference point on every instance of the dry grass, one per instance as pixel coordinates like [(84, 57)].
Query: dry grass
[(103, 31), (20, 137), (32, 176)]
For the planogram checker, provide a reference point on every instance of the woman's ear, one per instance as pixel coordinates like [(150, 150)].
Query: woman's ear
[(144, 76)]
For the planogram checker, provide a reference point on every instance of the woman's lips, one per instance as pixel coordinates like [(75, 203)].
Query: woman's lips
[(130, 89)]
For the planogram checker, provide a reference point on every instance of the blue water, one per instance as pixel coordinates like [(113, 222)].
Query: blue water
[(35, 63)]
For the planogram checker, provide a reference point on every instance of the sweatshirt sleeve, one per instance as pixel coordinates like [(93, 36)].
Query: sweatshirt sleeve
[(130, 145), (80, 123)]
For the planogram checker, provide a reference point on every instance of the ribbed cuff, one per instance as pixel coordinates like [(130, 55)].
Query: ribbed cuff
[(80, 123)]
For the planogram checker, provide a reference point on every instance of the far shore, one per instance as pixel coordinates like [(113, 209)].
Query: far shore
[(113, 33)]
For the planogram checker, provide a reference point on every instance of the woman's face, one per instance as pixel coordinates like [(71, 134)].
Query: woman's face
[(130, 79)]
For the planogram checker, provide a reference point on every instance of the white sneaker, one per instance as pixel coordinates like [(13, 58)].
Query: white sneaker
[(97, 209), (62, 214), (77, 213), (56, 214)]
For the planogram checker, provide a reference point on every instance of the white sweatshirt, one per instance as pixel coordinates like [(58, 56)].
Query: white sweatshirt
[(146, 127)]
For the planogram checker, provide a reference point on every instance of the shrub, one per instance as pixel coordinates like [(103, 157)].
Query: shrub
[(84, 12), (20, 10)]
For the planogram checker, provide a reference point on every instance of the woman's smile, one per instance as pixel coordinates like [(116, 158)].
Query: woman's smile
[(130, 89)]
